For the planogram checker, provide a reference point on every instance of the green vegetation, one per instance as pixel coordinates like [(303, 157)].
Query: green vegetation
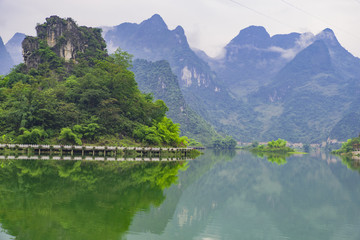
[(86, 101), (278, 146), (224, 143), (349, 146)]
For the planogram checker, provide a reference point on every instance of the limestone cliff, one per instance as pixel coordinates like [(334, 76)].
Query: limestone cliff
[(65, 38)]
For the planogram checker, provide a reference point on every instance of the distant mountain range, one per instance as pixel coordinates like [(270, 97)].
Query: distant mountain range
[(13, 46), (11, 53), (300, 87), (294, 86), (5, 59)]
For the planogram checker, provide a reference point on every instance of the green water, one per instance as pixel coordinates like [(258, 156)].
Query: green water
[(220, 195)]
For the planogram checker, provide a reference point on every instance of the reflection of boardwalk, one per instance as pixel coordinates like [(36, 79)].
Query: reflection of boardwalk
[(97, 151), (89, 158)]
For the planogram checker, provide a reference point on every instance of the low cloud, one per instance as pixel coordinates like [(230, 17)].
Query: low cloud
[(301, 43)]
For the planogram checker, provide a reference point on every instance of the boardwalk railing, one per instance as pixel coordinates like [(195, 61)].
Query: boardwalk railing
[(95, 150)]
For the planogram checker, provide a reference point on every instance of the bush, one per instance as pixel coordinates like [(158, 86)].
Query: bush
[(33, 136), (67, 136)]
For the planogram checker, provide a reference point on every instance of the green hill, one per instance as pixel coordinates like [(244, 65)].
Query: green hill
[(70, 90)]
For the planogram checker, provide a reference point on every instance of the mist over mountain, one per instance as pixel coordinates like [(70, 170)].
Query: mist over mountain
[(253, 57), (5, 59)]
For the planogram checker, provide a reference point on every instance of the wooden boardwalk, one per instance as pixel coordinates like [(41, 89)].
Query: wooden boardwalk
[(93, 151), (89, 158)]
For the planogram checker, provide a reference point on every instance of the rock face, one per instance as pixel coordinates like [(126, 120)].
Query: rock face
[(64, 37), (30, 46)]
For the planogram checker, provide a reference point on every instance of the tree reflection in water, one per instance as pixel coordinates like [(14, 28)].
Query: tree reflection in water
[(78, 199), (279, 159), (351, 163)]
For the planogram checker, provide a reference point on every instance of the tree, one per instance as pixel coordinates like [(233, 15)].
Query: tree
[(122, 58), (33, 136)]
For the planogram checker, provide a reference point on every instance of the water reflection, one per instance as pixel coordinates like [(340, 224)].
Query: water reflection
[(278, 158), (221, 195), (351, 163), (249, 198), (78, 199)]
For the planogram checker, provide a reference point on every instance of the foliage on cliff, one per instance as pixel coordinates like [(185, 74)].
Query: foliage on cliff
[(77, 102)]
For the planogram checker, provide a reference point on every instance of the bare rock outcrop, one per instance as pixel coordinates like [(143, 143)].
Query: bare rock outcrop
[(63, 37)]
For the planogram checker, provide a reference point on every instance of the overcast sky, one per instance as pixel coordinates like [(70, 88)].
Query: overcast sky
[(208, 24)]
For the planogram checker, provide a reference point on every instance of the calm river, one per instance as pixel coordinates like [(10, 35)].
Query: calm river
[(220, 195)]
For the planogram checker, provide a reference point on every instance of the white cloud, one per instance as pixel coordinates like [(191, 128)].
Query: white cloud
[(302, 42)]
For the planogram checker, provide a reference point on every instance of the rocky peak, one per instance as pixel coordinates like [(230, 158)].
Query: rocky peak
[(55, 28), (16, 39), (65, 38), (154, 24), (180, 30), (328, 36), (255, 36)]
